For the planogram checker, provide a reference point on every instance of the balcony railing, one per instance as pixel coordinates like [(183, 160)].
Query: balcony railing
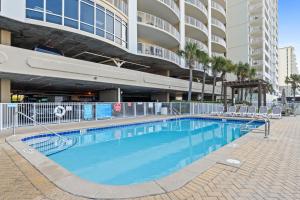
[(218, 40), (257, 63), (218, 23), (158, 23), (259, 51), (157, 51), (121, 5), (215, 54), (200, 44), (198, 4), (172, 5), (218, 7), (196, 23), (257, 41)]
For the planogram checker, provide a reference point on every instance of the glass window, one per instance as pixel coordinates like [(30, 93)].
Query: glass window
[(34, 15), (100, 19), (110, 36), (109, 23), (35, 4), (87, 13), (71, 23), (86, 28), (53, 19), (54, 6), (71, 9), (118, 27), (124, 32), (100, 32)]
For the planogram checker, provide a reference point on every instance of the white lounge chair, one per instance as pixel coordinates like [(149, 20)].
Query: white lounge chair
[(231, 111), (243, 111), (263, 112), (220, 111), (251, 111), (276, 113)]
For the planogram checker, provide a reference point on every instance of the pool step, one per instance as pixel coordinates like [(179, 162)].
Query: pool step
[(53, 145)]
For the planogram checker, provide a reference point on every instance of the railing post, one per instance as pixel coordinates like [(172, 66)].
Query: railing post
[(180, 108), (171, 108), (15, 121), (1, 117), (34, 114), (79, 112), (124, 110), (145, 109), (134, 109)]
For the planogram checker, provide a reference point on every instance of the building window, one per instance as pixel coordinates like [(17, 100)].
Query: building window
[(87, 16), (109, 25), (35, 9), (71, 13), (93, 18)]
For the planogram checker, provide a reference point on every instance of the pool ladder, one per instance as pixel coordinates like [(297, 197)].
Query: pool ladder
[(52, 144), (267, 121)]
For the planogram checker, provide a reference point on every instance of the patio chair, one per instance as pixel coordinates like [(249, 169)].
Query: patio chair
[(276, 113), (251, 111), (231, 111), (220, 111), (243, 111), (263, 112)]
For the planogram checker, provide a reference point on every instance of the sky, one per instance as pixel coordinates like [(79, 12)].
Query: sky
[(289, 25)]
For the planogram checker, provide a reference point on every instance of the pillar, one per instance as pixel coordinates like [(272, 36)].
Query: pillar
[(265, 96), (232, 96), (161, 97), (113, 95), (259, 95), (5, 37), (5, 91), (225, 96), (132, 26)]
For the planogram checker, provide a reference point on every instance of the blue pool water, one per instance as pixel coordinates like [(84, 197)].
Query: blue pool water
[(144, 152)]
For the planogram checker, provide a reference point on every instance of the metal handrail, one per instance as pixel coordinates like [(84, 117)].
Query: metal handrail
[(45, 127), (267, 124)]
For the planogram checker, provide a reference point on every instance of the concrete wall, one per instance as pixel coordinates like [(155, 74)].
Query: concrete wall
[(237, 30), (41, 64)]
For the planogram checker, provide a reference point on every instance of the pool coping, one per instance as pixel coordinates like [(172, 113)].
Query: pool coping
[(73, 184)]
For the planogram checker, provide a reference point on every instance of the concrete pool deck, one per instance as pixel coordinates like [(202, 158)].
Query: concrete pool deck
[(268, 169)]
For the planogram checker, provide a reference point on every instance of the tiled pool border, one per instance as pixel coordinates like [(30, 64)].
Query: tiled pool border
[(77, 186)]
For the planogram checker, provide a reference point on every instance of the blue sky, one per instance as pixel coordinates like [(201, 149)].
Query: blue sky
[(289, 25)]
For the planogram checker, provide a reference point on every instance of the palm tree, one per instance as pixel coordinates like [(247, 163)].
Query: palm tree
[(294, 81), (251, 76), (242, 71), (204, 59), (190, 55), (229, 67), (217, 64)]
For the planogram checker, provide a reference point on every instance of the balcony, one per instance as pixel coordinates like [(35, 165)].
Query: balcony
[(200, 44), (164, 9), (196, 29), (218, 44), (255, 8), (158, 52), (197, 9), (218, 11), (257, 42), (256, 30), (257, 63), (218, 27), (121, 5), (157, 30), (257, 53)]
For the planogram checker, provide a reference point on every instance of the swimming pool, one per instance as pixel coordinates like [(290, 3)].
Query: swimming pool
[(138, 153)]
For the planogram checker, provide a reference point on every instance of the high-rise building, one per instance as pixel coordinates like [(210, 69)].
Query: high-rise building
[(140, 37), (287, 66), (252, 36)]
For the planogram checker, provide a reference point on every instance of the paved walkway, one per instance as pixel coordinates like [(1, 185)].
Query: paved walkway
[(270, 170)]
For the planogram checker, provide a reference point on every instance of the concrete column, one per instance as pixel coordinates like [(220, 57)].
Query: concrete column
[(5, 91), (161, 97), (113, 95), (132, 26), (182, 23), (209, 28), (164, 73), (5, 37)]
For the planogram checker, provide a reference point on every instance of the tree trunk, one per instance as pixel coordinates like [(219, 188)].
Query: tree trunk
[(222, 88), (203, 86), (214, 86), (246, 93), (190, 84), (251, 95)]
